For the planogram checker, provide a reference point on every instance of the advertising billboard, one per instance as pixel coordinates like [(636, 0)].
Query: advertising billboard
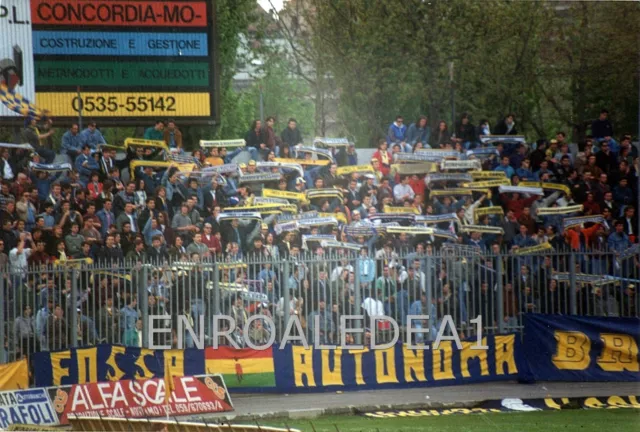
[(26, 407), (117, 61), (142, 398)]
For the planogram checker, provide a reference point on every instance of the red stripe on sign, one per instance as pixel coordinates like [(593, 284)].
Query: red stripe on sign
[(119, 13), (230, 353)]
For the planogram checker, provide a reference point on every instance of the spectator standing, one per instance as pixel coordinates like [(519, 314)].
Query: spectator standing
[(71, 142), (269, 138), (92, 136), (602, 130), (31, 134), (172, 136), (155, 132)]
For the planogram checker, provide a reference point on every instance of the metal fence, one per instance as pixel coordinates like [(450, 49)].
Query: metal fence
[(55, 307)]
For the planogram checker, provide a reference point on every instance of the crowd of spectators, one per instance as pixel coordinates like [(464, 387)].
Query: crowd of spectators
[(98, 209)]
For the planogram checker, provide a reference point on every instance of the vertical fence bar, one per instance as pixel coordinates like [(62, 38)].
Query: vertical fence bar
[(428, 287), (143, 295), (357, 296), (216, 288), (500, 293), (573, 294), (72, 309), (287, 298)]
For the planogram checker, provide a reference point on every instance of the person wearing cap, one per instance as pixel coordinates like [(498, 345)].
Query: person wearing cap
[(300, 185), (251, 167)]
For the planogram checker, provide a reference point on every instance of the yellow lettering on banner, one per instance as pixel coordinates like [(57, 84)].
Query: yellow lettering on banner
[(357, 359), (619, 353), (59, 371), (441, 361), (469, 353), (87, 360), (115, 373), (176, 361), (303, 366), (572, 351), (413, 362), (618, 402), (142, 371), (386, 366), (461, 411), (127, 104), (505, 355), (332, 376), (550, 403), (594, 403)]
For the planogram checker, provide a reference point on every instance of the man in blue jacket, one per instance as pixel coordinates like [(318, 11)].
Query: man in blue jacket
[(618, 240), (397, 134), (85, 165), (91, 136), (71, 142)]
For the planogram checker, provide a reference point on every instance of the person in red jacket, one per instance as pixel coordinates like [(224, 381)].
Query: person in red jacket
[(384, 157), (417, 184), (517, 204)]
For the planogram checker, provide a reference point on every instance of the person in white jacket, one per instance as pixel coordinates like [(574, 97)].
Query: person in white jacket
[(469, 210)]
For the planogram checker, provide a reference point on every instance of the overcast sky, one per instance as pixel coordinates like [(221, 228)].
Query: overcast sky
[(267, 6)]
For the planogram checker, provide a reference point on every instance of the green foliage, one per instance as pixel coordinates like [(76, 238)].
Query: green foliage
[(232, 19), (554, 65), (285, 96)]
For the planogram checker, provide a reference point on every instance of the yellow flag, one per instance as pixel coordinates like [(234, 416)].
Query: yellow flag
[(168, 377)]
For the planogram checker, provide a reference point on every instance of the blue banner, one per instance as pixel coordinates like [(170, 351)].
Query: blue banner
[(296, 369), (301, 370), (120, 44), (578, 348)]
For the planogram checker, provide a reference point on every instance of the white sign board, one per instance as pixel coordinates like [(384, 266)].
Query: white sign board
[(26, 407)]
